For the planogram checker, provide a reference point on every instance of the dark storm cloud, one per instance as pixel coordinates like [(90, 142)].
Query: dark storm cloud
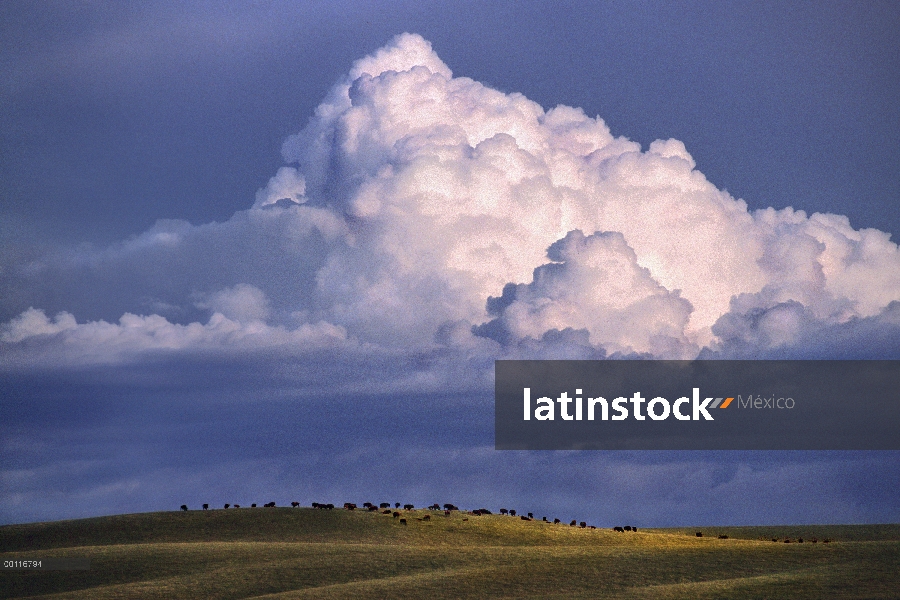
[(156, 446)]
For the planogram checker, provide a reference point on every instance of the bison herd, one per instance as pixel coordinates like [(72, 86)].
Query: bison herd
[(385, 509)]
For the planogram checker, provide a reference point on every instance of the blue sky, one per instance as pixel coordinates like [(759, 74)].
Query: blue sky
[(270, 251)]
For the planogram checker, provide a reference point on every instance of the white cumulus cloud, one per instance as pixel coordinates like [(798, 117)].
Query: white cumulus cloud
[(413, 197)]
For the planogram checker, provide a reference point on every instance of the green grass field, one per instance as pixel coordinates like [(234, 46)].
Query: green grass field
[(306, 553)]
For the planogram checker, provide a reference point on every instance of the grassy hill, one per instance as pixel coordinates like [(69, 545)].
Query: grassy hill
[(306, 553)]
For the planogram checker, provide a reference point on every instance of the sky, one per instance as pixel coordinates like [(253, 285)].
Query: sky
[(270, 251)]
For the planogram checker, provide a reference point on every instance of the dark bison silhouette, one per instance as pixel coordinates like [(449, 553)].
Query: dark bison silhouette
[(205, 506), (184, 507)]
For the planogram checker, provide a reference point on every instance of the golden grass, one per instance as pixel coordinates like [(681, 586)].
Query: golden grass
[(304, 553)]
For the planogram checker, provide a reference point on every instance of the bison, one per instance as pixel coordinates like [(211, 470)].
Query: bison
[(426, 518), (503, 511), (295, 504), (253, 505), (628, 528), (512, 512), (408, 507), (573, 523), (384, 505), (556, 521), (206, 507), (227, 505), (396, 515), (723, 537), (699, 534), (619, 529), (184, 507), (403, 521), (583, 524)]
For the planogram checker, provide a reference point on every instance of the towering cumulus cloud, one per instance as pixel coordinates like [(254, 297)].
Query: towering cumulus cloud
[(422, 209)]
